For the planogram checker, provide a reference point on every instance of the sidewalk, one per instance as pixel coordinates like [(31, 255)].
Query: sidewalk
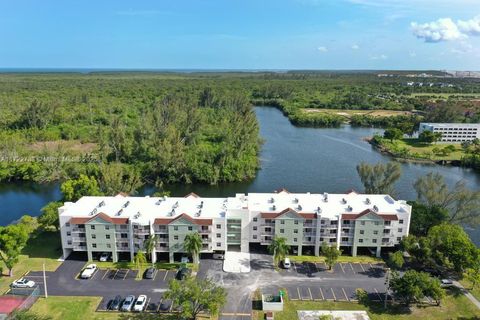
[(236, 262), (467, 294)]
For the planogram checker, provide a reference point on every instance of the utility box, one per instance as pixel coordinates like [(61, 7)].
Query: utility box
[(269, 315)]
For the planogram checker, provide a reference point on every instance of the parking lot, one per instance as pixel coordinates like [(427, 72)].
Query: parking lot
[(303, 281)]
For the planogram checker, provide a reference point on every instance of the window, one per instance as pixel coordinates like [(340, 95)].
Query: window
[(109, 246), (387, 223), (360, 240), (94, 245), (107, 227), (400, 221), (268, 221), (254, 228), (69, 242), (175, 228), (375, 232), (175, 237), (321, 239), (219, 235), (294, 239), (69, 233), (362, 231), (333, 231), (124, 245), (322, 221), (107, 236), (124, 235), (346, 221), (400, 229), (254, 236), (345, 230), (345, 239), (255, 219), (308, 221), (268, 229), (377, 223), (386, 231), (190, 228), (295, 222), (332, 240), (219, 226), (295, 231), (67, 224), (362, 223), (282, 230), (399, 239), (92, 227), (219, 244), (282, 221), (384, 240), (204, 236), (94, 236), (333, 222), (374, 240)]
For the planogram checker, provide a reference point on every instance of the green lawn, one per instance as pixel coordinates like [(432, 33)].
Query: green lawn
[(44, 247), (423, 150), (342, 259), (454, 306), (71, 308)]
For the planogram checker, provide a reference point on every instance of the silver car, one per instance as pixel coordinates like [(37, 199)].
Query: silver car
[(128, 303)]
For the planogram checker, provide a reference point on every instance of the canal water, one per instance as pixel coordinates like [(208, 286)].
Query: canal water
[(298, 159)]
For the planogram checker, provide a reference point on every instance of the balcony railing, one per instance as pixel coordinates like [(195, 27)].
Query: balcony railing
[(78, 229), (79, 247)]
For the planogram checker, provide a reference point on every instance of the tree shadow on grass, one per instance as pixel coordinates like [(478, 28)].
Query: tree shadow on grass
[(45, 244)]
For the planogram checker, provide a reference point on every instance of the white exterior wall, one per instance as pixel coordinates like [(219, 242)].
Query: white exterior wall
[(453, 132)]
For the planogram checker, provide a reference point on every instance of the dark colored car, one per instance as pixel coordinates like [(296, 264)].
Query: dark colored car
[(183, 273), (165, 305), (115, 303), (149, 273)]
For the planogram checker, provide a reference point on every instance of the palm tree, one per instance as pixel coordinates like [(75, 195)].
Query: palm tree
[(140, 259), (193, 245), (279, 248), (149, 245)]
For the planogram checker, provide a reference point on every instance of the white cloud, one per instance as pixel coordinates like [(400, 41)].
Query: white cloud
[(355, 47), (443, 29), (471, 27), (140, 12), (412, 54), (379, 57), (322, 49)]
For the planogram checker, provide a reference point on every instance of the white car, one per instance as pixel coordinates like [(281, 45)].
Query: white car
[(140, 303), (104, 257), (88, 272), (128, 303), (446, 282), (23, 283), (184, 260)]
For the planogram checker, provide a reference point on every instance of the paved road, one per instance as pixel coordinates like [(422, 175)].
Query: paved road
[(307, 281), (467, 294)]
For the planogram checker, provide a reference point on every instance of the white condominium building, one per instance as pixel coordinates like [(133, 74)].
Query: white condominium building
[(453, 132), (121, 224)]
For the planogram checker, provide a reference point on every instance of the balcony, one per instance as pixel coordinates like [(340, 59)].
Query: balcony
[(78, 248), (78, 229)]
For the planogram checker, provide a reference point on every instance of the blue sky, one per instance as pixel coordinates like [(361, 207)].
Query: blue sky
[(243, 34)]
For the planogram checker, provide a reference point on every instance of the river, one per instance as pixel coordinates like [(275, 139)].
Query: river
[(298, 159)]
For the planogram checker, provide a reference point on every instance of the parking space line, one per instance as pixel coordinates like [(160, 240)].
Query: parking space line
[(154, 275), (371, 267), (310, 292), (165, 276), (345, 294), (361, 265), (115, 274), (299, 296), (295, 266), (321, 293), (378, 294), (333, 293), (341, 267), (125, 276), (159, 304), (353, 270), (148, 303), (106, 272)]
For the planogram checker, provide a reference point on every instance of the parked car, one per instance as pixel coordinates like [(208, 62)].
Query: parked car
[(166, 305), (286, 263), (149, 273), (218, 256), (140, 303), (88, 272), (23, 283), (104, 257), (115, 303), (128, 303), (184, 259), (446, 282), (183, 273)]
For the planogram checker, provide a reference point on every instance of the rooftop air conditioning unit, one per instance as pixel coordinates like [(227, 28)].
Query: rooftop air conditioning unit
[(375, 208), (319, 210), (299, 207), (159, 202), (295, 200), (344, 201), (93, 212), (367, 201), (325, 197), (101, 204), (119, 212), (274, 207), (126, 204), (349, 208)]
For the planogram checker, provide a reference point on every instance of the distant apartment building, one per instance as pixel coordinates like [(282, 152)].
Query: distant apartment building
[(120, 225), (453, 132)]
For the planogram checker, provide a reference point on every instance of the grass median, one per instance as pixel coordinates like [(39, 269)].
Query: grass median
[(341, 259)]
